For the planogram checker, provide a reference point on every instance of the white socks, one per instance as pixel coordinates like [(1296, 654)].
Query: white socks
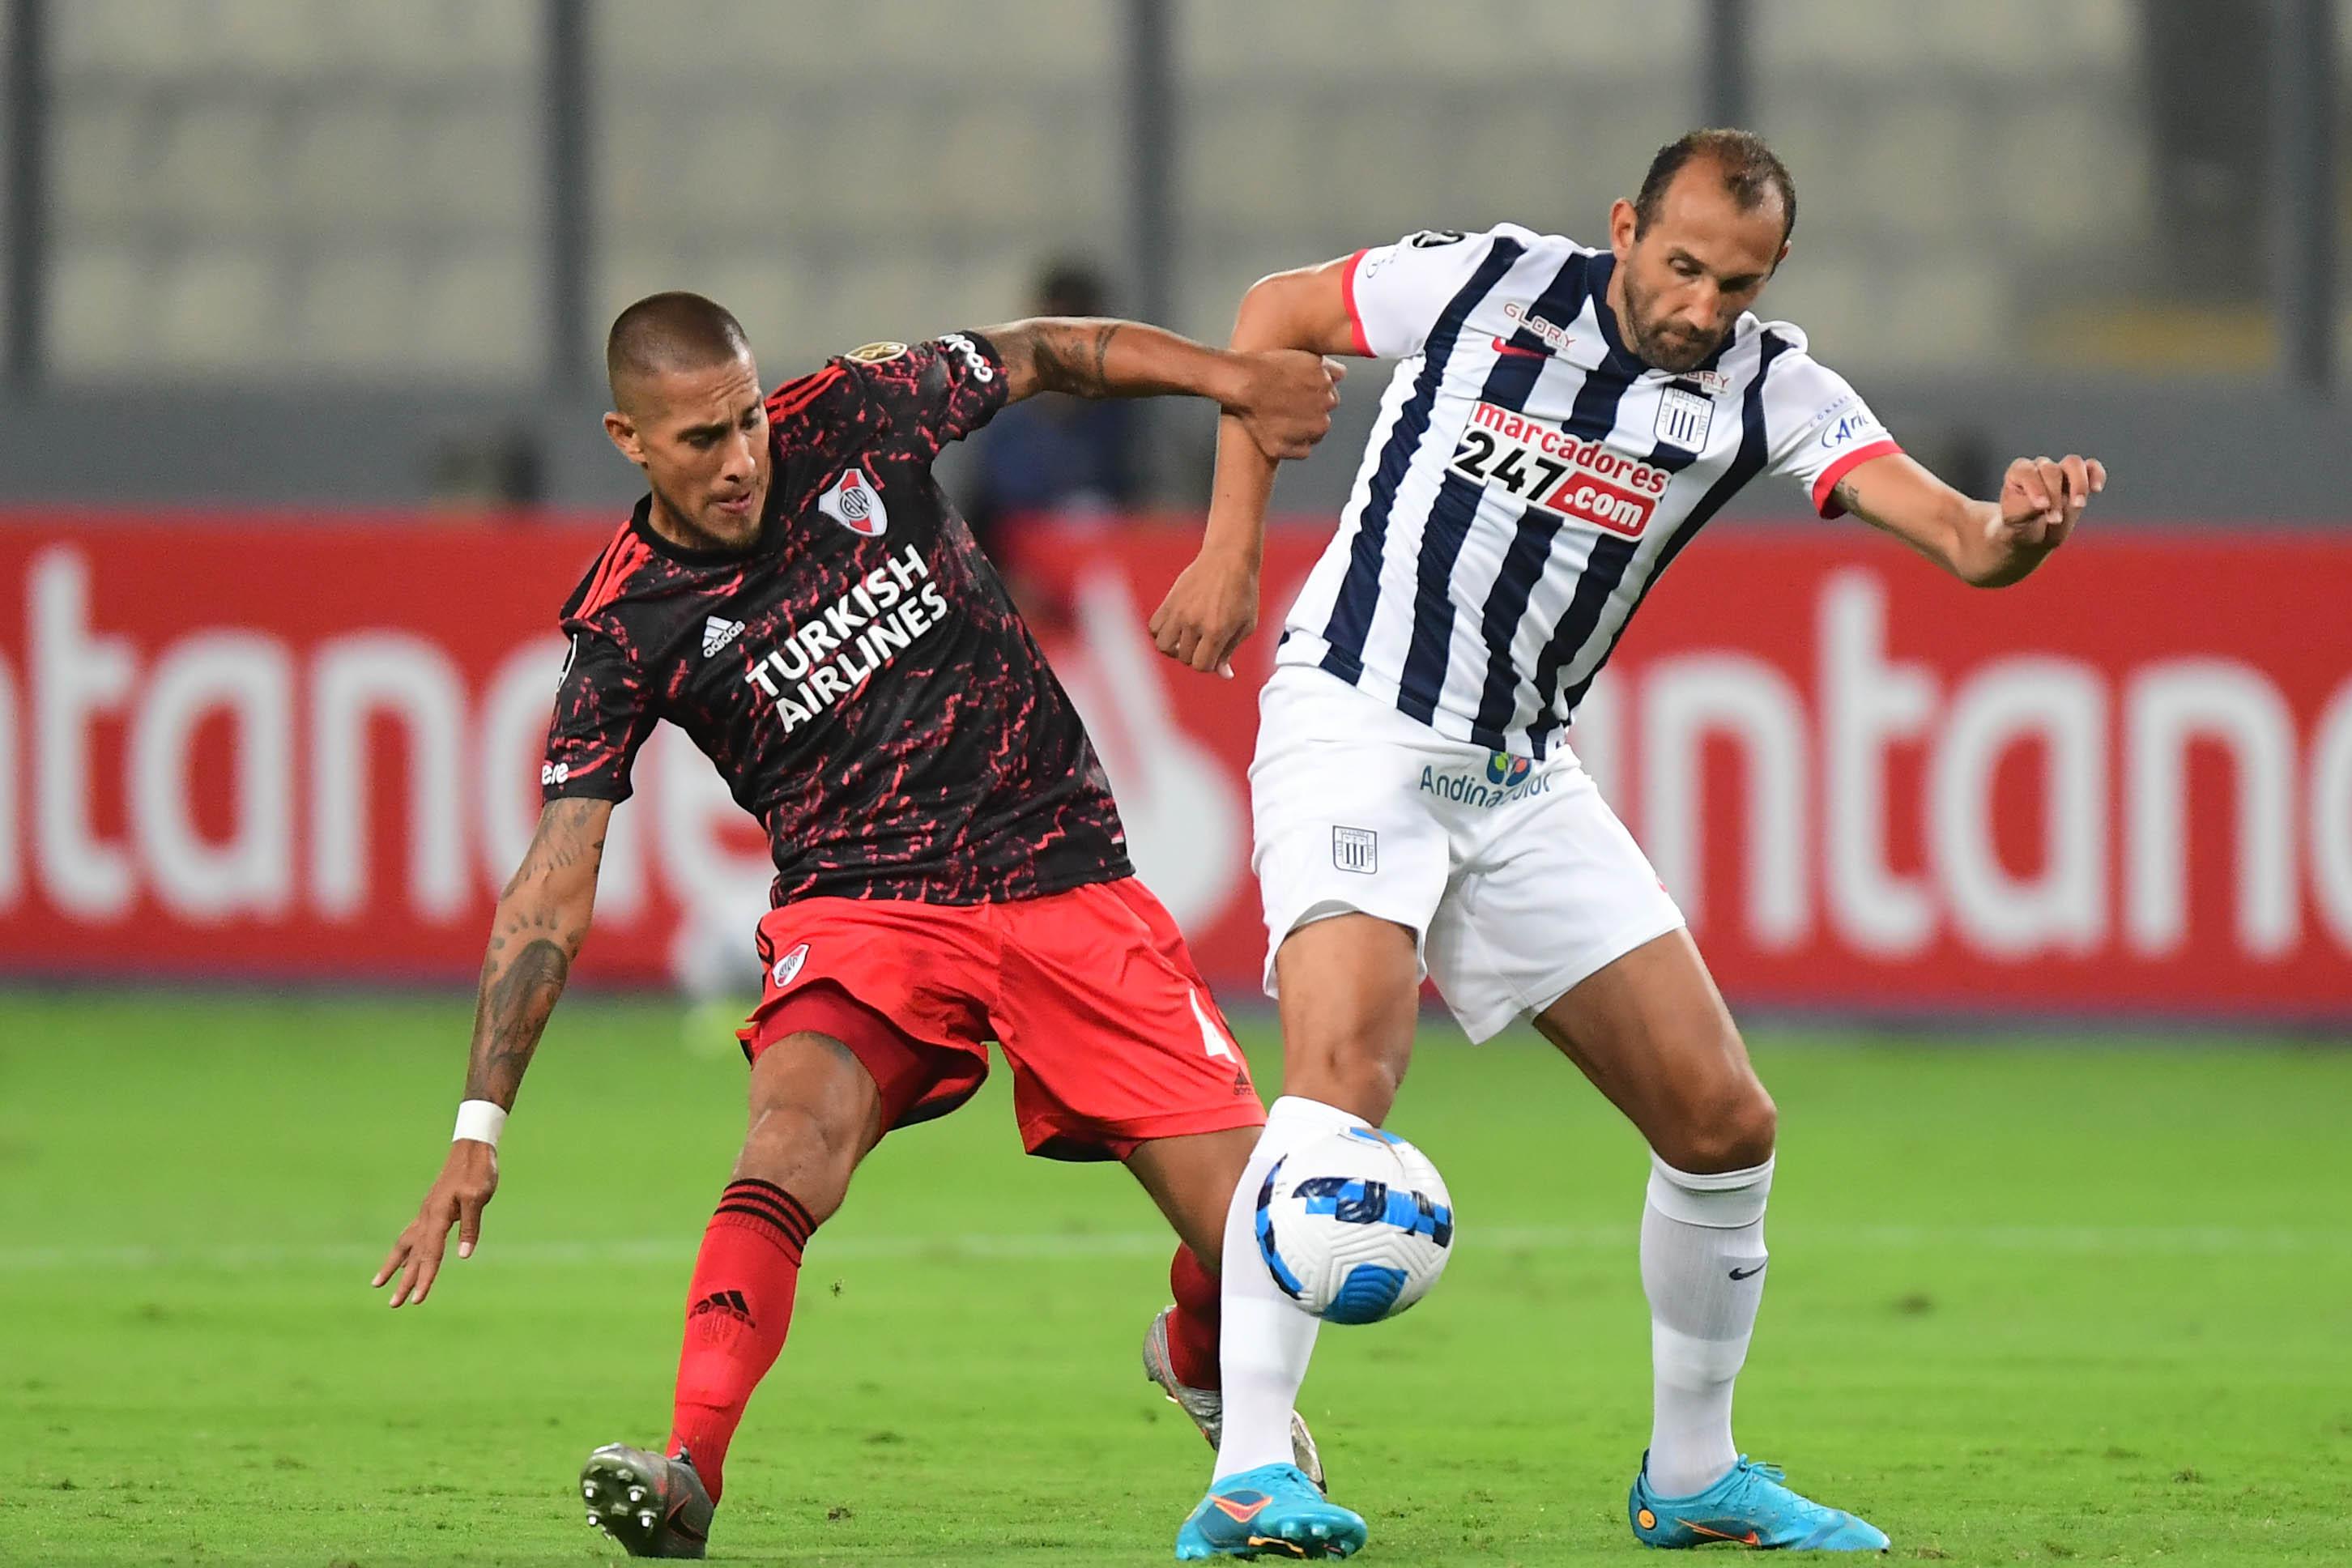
[(1266, 1341), (1703, 1262), (1703, 1270)]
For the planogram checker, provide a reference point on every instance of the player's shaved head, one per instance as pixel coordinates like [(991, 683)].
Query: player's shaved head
[(1751, 173), (664, 333), (686, 409)]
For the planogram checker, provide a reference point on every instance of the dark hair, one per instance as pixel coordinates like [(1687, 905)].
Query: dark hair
[(677, 331), (1749, 169)]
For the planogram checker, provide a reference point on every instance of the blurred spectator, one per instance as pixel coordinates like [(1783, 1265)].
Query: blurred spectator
[(1051, 453), (482, 472), (2206, 68)]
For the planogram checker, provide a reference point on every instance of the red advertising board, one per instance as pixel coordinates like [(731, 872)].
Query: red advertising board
[(310, 746)]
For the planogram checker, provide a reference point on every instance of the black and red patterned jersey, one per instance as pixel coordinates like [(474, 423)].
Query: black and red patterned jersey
[(858, 675)]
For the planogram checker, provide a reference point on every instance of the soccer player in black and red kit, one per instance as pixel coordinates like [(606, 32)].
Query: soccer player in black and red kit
[(797, 594)]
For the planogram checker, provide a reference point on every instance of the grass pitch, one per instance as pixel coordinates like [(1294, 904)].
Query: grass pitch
[(2026, 1304)]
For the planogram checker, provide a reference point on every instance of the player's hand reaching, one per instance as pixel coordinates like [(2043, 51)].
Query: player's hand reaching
[(1282, 402), (2041, 501), (458, 1196), (1286, 399), (1210, 610)]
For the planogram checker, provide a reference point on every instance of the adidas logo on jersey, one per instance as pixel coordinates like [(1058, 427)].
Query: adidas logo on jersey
[(718, 632)]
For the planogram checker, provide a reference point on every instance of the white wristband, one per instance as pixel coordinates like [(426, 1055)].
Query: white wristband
[(481, 1120)]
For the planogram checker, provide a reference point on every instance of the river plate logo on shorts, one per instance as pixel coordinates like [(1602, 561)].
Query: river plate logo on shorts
[(788, 967), (855, 504)]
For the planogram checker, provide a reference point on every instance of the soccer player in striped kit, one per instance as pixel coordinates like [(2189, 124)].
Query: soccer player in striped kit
[(1562, 422)]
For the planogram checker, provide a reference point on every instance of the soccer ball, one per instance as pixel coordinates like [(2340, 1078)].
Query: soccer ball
[(1356, 1227)]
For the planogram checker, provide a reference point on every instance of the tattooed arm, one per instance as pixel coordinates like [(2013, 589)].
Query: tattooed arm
[(1285, 399), (541, 920)]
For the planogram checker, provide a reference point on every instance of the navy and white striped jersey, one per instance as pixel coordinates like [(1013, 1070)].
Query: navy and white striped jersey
[(1529, 478)]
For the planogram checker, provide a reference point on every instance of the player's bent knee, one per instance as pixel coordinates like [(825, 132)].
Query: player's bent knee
[(795, 1150), (1357, 1074), (1733, 1131), (1750, 1131), (811, 1126)]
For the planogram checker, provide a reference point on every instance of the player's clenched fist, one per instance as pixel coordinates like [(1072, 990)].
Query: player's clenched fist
[(2042, 500), (1209, 612), (458, 1196), (1285, 399)]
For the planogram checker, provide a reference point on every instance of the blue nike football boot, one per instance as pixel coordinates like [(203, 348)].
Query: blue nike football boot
[(1750, 1506), (1271, 1511)]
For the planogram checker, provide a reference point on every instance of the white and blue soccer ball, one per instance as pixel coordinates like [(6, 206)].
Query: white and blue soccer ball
[(1355, 1226)]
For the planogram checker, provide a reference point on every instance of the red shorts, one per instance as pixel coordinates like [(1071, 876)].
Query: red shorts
[(1090, 995)]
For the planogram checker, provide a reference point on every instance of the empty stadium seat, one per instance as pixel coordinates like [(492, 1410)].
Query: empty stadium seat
[(425, 39), (216, 309), (849, 163), (134, 37), (102, 304), (218, 166), (478, 165), (319, 155), (351, 305), (478, 313), (103, 150)]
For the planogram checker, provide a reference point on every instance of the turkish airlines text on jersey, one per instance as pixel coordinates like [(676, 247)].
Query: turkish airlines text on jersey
[(312, 748)]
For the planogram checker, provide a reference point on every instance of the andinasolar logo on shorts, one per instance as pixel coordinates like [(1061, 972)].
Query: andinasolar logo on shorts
[(1504, 769), (1507, 778)]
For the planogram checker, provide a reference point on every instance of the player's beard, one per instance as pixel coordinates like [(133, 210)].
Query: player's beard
[(1674, 351), (699, 536)]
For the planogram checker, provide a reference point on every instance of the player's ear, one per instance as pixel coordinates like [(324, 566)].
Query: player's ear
[(624, 435), (1622, 223)]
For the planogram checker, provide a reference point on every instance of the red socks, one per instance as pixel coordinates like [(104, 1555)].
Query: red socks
[(739, 1308), (1192, 1326), (738, 1311)]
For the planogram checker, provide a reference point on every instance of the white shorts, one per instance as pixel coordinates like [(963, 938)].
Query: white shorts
[(1515, 878)]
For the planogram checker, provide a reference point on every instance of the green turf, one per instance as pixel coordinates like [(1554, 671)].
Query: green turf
[(2026, 1304)]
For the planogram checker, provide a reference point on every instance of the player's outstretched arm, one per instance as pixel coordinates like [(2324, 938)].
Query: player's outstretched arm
[(1284, 400), (1212, 606), (1988, 544), (543, 919)]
